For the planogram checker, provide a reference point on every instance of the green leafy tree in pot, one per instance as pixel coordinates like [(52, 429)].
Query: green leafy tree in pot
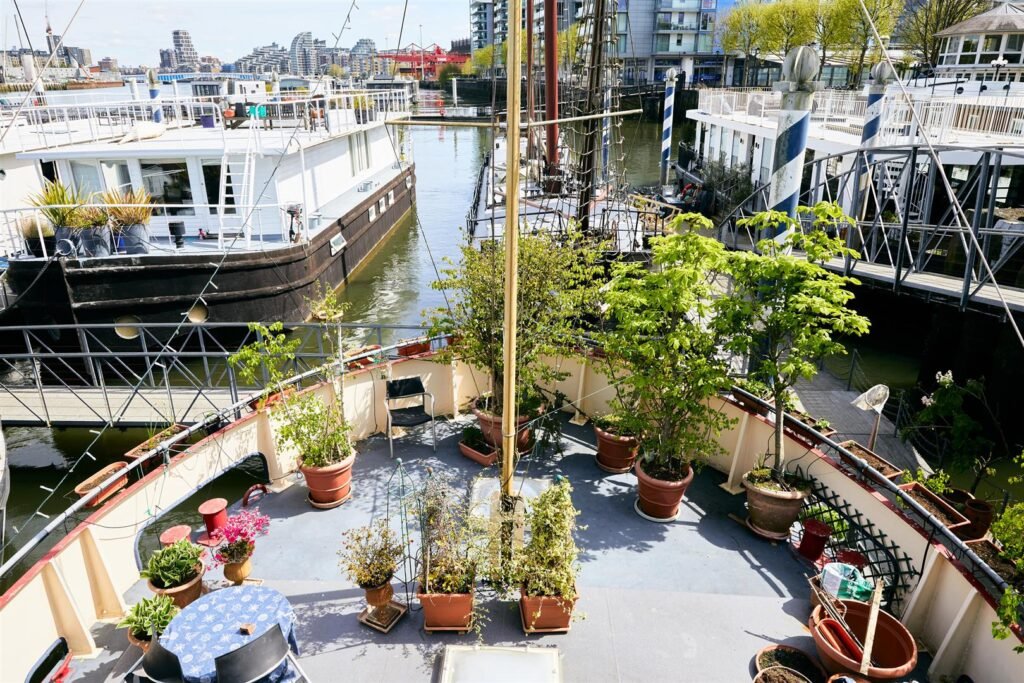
[(263, 361)]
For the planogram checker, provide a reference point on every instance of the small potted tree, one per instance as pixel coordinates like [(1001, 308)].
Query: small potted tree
[(177, 572), (239, 535), (130, 212), (60, 205), (94, 231), (320, 434), (263, 362), (785, 311), (546, 567), (147, 619), (661, 338), (450, 551), (370, 556)]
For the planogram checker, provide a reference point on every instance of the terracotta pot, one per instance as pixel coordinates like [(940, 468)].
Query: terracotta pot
[(796, 650), (379, 596), (237, 572), (772, 513), (958, 498), (814, 539), (141, 643), (447, 611), (658, 498), (980, 513), (545, 613), (894, 651), (331, 484), (490, 425), (413, 348), (185, 594), (615, 453), (93, 482), (485, 459), (795, 675)]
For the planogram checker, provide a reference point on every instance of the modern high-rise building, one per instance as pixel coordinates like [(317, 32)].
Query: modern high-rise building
[(184, 51), (168, 59), (81, 55), (302, 59), (481, 22), (264, 59), (52, 41)]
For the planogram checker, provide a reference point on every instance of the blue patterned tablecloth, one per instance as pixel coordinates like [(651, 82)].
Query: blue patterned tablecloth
[(209, 627)]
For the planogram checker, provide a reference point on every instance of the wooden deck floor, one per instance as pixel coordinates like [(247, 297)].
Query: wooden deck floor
[(120, 406)]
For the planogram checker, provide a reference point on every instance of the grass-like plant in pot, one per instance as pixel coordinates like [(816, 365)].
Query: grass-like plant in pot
[(547, 566), (369, 557), (147, 619), (130, 212), (176, 571), (60, 204), (319, 433), (557, 289), (451, 548), (94, 230), (239, 535), (38, 233), (786, 311), (660, 338)]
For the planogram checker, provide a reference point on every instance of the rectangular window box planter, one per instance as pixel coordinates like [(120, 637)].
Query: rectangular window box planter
[(150, 444), (413, 348), (888, 470), (940, 509), (93, 482), (990, 553), (806, 435)]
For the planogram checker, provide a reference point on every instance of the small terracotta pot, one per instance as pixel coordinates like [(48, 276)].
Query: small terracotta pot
[(484, 459), (379, 596), (544, 613), (185, 594), (795, 675), (772, 513), (141, 643), (237, 572), (789, 648), (658, 498), (490, 425), (852, 557), (980, 513), (615, 453), (816, 535), (330, 484), (447, 611)]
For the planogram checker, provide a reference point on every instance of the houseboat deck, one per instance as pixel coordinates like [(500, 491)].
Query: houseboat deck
[(693, 600)]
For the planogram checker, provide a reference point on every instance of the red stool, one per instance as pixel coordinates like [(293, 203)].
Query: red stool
[(215, 516), (174, 534)]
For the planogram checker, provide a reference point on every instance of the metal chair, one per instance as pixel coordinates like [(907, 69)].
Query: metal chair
[(257, 659), (161, 665), (408, 387)]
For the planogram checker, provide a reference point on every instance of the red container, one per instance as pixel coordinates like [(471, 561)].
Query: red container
[(816, 534), (215, 516), (852, 557), (174, 534)]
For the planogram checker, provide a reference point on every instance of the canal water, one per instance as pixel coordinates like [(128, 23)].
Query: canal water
[(393, 288)]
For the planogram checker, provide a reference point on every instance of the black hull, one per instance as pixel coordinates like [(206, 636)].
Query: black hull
[(250, 286)]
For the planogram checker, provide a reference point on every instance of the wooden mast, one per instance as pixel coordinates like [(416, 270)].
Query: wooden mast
[(551, 83), (594, 96), (508, 413)]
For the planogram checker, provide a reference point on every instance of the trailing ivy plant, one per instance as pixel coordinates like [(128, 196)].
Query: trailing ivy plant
[(1008, 530), (557, 290), (785, 309), (548, 563), (661, 338)]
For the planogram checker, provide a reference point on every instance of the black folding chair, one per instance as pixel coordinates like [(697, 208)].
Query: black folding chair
[(161, 665), (257, 659), (405, 388)]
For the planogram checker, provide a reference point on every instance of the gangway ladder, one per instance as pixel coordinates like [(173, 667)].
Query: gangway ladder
[(238, 183)]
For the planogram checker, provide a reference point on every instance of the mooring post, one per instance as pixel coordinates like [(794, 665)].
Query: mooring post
[(666, 123), (797, 86)]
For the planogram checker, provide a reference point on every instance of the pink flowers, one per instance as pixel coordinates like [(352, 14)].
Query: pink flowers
[(239, 536)]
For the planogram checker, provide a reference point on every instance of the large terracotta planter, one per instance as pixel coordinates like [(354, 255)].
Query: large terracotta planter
[(772, 513), (485, 459), (331, 485), (446, 611), (380, 595), (185, 594), (766, 652), (894, 651), (615, 453), (93, 482), (545, 613), (660, 499), (490, 425), (237, 572)]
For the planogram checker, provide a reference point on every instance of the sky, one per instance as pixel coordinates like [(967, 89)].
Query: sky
[(133, 31)]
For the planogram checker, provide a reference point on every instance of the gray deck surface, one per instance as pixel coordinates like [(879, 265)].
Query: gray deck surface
[(689, 601)]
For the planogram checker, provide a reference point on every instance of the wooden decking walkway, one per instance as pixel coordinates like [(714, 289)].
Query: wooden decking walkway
[(61, 406)]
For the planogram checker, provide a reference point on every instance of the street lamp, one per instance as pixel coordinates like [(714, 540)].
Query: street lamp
[(757, 64), (999, 64)]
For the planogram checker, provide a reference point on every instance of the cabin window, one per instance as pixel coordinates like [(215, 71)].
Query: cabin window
[(1013, 49), (116, 175), (360, 152), (211, 179), (373, 212), (167, 182), (86, 177), (391, 197)]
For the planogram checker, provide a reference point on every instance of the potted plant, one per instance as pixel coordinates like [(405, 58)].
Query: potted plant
[(364, 108), (785, 310), (130, 212), (557, 288), (476, 448), (1006, 557), (262, 362), (370, 556), (546, 567), (239, 535), (38, 235), (320, 434), (147, 619), (658, 337), (177, 572), (617, 447), (60, 205), (94, 231), (93, 482), (450, 553)]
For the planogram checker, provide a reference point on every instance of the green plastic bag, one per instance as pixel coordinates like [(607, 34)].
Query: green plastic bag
[(845, 582)]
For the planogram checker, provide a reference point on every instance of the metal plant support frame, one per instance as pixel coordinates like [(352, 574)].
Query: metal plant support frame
[(402, 498)]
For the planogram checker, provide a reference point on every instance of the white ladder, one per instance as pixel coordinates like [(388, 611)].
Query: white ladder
[(238, 182)]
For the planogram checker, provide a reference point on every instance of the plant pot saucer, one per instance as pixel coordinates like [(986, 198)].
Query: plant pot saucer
[(209, 540), (660, 520), (391, 613), (461, 630), (327, 506), (613, 470), (770, 535)]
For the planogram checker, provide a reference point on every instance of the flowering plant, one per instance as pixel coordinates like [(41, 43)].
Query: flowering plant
[(239, 536)]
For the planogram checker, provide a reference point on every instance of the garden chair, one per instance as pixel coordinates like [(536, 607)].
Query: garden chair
[(406, 388), (257, 659), (161, 665)]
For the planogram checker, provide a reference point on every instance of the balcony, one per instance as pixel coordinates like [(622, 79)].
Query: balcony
[(686, 5), (664, 26)]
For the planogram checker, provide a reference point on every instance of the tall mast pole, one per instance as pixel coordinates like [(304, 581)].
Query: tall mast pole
[(551, 82), (588, 158), (529, 78), (508, 413)]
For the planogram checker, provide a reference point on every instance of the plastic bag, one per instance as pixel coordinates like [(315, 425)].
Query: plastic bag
[(845, 582)]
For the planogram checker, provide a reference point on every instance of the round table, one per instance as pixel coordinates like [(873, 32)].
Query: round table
[(210, 627)]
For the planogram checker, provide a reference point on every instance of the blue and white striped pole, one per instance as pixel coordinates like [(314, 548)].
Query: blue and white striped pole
[(881, 76), (797, 85), (666, 123), (154, 93)]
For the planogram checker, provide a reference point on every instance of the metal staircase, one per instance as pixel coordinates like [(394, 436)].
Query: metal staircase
[(237, 191)]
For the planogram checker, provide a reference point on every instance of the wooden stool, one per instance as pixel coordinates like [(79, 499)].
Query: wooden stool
[(174, 534)]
